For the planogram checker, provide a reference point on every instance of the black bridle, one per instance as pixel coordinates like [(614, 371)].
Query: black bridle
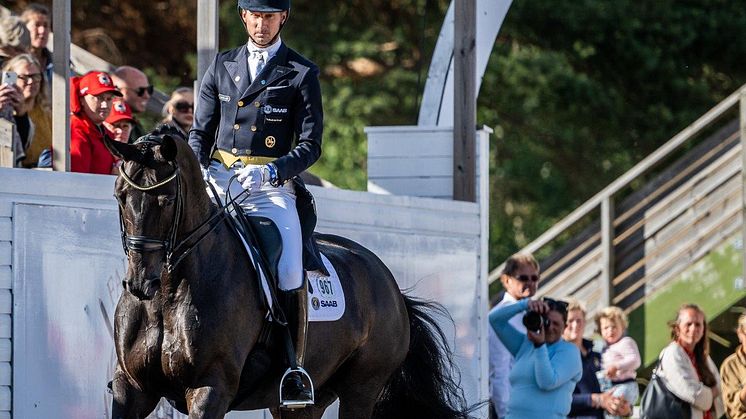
[(145, 244), (173, 253)]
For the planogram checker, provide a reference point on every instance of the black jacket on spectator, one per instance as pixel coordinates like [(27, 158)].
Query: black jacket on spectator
[(581, 407)]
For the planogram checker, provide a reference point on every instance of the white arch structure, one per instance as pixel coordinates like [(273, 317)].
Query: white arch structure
[(437, 99), (418, 160)]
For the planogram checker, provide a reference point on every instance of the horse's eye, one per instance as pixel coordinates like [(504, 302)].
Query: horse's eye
[(165, 200)]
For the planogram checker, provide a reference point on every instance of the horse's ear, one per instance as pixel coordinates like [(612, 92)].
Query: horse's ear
[(168, 148), (123, 151)]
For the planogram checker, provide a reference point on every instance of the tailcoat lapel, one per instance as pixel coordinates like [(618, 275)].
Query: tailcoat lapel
[(239, 69), (275, 69)]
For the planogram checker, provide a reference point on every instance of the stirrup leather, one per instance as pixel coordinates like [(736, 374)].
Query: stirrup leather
[(296, 404)]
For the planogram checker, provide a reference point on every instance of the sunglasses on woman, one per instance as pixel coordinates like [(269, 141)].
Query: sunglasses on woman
[(184, 106)]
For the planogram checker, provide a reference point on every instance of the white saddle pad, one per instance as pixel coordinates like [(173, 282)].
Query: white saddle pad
[(326, 299)]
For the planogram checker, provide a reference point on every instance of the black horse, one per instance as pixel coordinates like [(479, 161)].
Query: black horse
[(190, 320)]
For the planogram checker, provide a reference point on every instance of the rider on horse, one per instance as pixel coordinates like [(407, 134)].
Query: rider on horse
[(259, 117)]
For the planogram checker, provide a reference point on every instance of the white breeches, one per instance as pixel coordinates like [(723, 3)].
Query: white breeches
[(277, 204)]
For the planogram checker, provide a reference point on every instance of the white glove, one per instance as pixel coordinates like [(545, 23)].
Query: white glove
[(205, 174), (253, 177)]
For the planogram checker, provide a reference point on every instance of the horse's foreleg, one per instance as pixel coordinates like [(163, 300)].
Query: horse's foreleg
[(207, 403), (129, 402)]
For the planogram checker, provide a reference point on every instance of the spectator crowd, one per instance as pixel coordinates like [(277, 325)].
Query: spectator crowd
[(542, 364), (102, 105)]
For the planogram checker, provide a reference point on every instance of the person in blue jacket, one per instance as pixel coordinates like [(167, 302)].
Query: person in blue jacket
[(259, 118), (546, 367)]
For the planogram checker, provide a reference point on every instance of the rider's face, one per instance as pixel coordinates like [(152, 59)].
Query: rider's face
[(263, 27)]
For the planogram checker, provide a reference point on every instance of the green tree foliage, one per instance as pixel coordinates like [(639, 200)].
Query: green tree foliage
[(581, 91)]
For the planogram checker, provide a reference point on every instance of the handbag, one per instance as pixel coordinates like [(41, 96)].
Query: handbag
[(659, 403)]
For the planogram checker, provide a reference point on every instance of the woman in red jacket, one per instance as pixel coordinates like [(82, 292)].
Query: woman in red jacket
[(90, 103)]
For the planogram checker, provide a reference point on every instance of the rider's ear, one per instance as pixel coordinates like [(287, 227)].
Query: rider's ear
[(123, 151), (168, 148)]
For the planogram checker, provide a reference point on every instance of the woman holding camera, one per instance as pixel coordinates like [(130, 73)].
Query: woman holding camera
[(546, 367)]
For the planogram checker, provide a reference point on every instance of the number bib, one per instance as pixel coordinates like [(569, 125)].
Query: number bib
[(326, 299)]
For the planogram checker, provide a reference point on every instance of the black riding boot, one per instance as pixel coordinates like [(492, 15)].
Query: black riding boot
[(296, 311)]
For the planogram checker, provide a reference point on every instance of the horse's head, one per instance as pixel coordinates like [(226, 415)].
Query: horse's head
[(150, 193)]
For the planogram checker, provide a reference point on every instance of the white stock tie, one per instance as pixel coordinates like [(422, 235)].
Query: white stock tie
[(257, 63)]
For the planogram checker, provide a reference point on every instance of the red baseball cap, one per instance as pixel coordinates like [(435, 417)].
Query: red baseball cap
[(120, 111), (97, 82)]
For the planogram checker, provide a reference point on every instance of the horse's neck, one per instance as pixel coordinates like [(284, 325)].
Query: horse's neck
[(218, 259), (196, 212)]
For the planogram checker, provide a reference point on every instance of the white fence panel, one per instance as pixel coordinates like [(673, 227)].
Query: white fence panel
[(65, 264), (418, 161)]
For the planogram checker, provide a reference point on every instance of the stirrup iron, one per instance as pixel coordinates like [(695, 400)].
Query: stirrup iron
[(296, 404)]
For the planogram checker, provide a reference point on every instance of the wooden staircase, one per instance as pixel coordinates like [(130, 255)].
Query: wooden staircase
[(666, 232)]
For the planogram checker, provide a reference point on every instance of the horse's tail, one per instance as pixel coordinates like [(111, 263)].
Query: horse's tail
[(427, 383)]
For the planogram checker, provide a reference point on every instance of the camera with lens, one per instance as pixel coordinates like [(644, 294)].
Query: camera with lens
[(533, 321)]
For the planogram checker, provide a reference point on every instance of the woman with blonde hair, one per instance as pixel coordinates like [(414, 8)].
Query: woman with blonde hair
[(733, 376), (32, 116), (588, 401), (179, 110), (686, 367)]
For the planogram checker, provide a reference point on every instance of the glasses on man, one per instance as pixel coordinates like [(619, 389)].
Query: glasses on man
[(184, 106), (140, 91), (30, 78), (527, 278)]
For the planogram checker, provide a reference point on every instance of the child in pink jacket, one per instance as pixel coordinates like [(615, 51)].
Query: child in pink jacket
[(620, 359)]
